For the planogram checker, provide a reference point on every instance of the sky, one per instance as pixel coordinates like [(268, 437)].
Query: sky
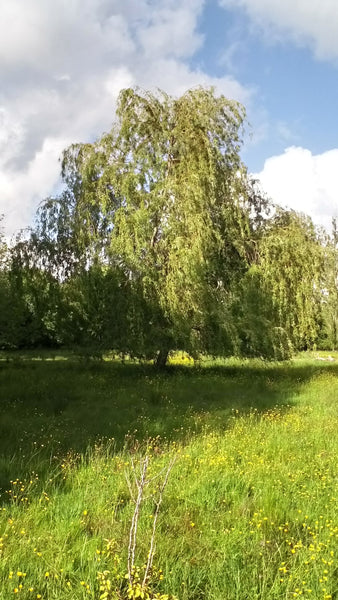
[(63, 63)]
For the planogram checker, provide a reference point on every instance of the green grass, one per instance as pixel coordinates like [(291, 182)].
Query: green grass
[(250, 509)]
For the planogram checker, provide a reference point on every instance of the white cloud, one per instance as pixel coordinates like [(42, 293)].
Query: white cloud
[(172, 41), (62, 65), (311, 23), (11, 135), (34, 182), (304, 182)]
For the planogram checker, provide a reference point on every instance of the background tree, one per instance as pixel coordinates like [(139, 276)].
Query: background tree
[(328, 338), (288, 279), (5, 313)]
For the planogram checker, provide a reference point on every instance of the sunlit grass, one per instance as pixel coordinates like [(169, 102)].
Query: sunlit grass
[(250, 510)]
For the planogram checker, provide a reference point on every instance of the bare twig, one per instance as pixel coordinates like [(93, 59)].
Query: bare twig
[(141, 483), (158, 504)]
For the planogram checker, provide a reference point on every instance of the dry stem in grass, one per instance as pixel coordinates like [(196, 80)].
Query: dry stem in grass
[(141, 483)]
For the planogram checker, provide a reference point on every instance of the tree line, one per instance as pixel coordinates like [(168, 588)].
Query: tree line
[(160, 240)]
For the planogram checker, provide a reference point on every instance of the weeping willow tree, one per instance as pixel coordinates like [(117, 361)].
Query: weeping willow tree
[(168, 184), (291, 276), (329, 330), (161, 241), (4, 292)]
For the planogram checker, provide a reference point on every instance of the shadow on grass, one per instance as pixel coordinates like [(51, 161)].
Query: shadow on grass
[(48, 409)]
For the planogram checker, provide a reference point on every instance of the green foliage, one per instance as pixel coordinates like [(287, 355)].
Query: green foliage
[(5, 314), (254, 314), (11, 314), (35, 298), (161, 241), (160, 200), (329, 324), (290, 270)]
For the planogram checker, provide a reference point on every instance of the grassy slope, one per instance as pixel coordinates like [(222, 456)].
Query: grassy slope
[(250, 510)]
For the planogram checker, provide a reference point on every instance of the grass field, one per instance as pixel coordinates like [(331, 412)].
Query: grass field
[(250, 507)]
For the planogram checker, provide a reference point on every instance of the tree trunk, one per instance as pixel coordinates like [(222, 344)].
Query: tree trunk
[(161, 358)]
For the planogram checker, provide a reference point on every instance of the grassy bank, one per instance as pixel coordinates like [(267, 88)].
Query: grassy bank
[(250, 509)]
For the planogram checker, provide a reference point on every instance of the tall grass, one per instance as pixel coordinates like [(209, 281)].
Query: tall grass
[(250, 508)]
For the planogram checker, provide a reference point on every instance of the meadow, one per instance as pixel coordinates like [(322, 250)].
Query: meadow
[(249, 510)]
